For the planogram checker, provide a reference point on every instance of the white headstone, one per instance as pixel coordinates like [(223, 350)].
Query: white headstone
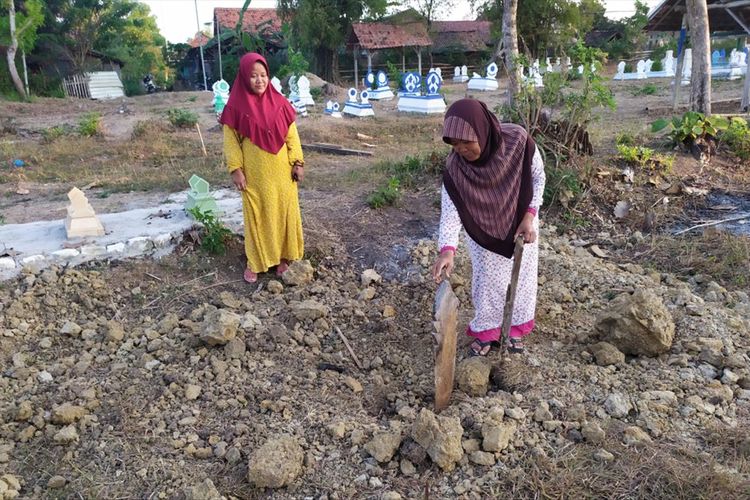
[(492, 70), (620, 71), (580, 69), (352, 94), (464, 71), (647, 67), (548, 66), (667, 63), (276, 84), (687, 66), (303, 90), (640, 68), (364, 97), (456, 72)]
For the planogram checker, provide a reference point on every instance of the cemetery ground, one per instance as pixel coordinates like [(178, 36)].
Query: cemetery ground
[(115, 383)]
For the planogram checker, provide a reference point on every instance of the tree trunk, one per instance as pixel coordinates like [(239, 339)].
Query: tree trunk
[(507, 49), (700, 93), (11, 53)]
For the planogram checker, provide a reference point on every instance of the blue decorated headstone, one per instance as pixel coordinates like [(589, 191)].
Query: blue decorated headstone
[(411, 82), (492, 70), (433, 83), (370, 80), (382, 79)]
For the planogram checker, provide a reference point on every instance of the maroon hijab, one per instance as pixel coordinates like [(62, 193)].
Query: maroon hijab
[(492, 193), (264, 119)]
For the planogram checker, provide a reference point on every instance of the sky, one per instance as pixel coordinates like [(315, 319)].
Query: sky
[(177, 18)]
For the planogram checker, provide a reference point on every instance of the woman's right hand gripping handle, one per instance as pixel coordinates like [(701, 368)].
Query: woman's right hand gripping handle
[(444, 262), (238, 178)]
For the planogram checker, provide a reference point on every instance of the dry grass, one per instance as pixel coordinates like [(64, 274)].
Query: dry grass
[(722, 255), (154, 158), (656, 471)]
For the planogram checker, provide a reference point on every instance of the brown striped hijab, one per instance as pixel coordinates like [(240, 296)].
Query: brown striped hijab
[(492, 193)]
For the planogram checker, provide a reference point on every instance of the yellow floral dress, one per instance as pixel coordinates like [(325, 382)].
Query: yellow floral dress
[(270, 202)]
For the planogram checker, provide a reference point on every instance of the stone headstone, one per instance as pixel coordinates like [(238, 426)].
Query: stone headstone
[(456, 72), (548, 66), (492, 70), (641, 69), (464, 70), (293, 90), (687, 66), (199, 196), (329, 107), (580, 69), (433, 83), (648, 65), (667, 63), (352, 95), (303, 90), (81, 220), (620, 71), (221, 95), (364, 97), (370, 80), (276, 84), (715, 58), (335, 113)]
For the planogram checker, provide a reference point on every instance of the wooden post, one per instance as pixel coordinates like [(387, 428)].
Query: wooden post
[(369, 61), (700, 79), (419, 60), (403, 60), (446, 319), (356, 69), (680, 64), (745, 104)]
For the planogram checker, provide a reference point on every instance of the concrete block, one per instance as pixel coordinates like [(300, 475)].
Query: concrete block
[(162, 240), (65, 254), (7, 264), (90, 251), (139, 245), (116, 248), (34, 262)]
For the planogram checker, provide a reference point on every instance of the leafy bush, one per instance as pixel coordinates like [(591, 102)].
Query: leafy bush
[(215, 235), (737, 137), (648, 89), (50, 134), (394, 74), (182, 118), (691, 127), (296, 64), (644, 157), (562, 184), (385, 195), (90, 125), (408, 173)]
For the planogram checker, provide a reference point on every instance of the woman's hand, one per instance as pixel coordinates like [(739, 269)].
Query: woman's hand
[(298, 171), (526, 228), (238, 178), (443, 262)]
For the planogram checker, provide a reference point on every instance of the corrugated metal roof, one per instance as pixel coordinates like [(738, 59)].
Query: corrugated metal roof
[(228, 17), (105, 85), (374, 36), (667, 16)]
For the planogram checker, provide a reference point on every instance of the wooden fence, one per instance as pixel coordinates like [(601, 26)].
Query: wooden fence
[(77, 86)]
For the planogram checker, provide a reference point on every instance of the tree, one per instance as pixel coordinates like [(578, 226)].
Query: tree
[(430, 9), (20, 32), (630, 30), (700, 91), (507, 49), (319, 28), (139, 45), (76, 27)]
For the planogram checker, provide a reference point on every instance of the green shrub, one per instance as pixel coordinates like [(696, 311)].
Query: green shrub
[(625, 138), (691, 126), (644, 157), (215, 235), (50, 134), (385, 195), (562, 184), (737, 137), (182, 118), (648, 89), (90, 125)]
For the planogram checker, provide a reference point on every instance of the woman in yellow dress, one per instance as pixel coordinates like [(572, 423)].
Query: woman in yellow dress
[(264, 156)]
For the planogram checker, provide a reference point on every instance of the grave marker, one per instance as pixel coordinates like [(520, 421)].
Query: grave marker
[(81, 220)]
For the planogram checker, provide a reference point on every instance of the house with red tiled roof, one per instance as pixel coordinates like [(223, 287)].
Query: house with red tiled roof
[(367, 38), (256, 21), (461, 36), (198, 40)]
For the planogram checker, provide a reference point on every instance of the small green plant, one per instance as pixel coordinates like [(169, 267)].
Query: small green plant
[(625, 138), (691, 126), (394, 74), (182, 118), (385, 196), (563, 185), (737, 137), (90, 125), (635, 155), (2, 219), (316, 93), (50, 134), (296, 64), (192, 98), (648, 89), (215, 235)]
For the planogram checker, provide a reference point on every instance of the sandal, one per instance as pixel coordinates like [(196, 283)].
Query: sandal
[(516, 345), (250, 276), (479, 348), (282, 267)]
